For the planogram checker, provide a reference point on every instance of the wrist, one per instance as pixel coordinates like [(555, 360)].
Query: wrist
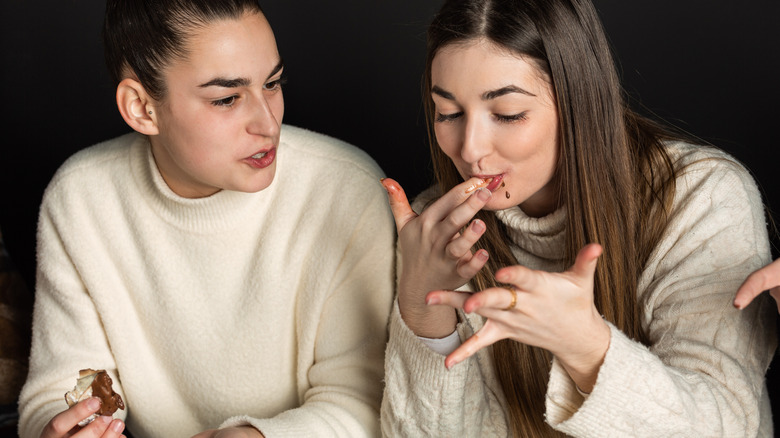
[(433, 322), (583, 366)]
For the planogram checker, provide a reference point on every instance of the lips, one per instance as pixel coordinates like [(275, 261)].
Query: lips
[(261, 159), (493, 181)]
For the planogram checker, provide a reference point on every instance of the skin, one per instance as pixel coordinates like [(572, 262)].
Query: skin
[(495, 118), (224, 104), (766, 278)]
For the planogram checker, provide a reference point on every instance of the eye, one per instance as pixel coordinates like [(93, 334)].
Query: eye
[(440, 118), (227, 101), (275, 84), (511, 118)]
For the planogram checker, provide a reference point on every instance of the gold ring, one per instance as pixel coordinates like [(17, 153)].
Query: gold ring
[(513, 291)]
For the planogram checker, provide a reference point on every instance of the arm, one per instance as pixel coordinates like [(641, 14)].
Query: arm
[(67, 334), (348, 337), (703, 374)]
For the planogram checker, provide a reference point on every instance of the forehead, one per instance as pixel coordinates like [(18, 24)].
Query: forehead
[(243, 47), (481, 65)]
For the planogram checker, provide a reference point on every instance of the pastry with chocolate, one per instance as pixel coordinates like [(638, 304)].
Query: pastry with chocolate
[(93, 383)]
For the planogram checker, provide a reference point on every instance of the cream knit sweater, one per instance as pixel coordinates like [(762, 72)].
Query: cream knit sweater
[(703, 374), (268, 308)]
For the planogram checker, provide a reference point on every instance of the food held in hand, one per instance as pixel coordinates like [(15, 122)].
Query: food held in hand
[(93, 383)]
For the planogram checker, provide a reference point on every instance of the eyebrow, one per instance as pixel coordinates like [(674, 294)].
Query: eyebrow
[(239, 82), (488, 95)]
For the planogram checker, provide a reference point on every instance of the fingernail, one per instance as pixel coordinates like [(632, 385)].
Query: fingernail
[(482, 255), (432, 301), (117, 426), (478, 226), (106, 418), (484, 194), (93, 403)]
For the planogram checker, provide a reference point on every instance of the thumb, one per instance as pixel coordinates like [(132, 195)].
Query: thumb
[(585, 263), (399, 204)]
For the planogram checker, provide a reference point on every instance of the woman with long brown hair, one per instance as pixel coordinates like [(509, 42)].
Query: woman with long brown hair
[(604, 249)]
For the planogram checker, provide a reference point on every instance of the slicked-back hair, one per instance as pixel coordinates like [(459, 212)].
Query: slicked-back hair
[(142, 37), (615, 178)]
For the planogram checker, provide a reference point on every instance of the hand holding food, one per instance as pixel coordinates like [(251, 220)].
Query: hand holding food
[(436, 251), (93, 383)]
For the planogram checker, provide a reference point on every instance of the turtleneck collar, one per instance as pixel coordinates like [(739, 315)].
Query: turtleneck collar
[(542, 237), (220, 211)]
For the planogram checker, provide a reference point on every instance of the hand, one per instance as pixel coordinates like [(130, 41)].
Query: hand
[(66, 423), (554, 311), (435, 253), (763, 279), (231, 432)]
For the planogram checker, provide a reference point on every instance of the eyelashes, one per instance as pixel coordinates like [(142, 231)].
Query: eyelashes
[(501, 118), (271, 86)]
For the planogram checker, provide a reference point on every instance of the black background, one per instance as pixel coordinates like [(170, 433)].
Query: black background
[(354, 68)]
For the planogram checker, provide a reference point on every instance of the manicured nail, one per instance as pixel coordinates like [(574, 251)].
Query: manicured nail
[(477, 226), (117, 426), (432, 301)]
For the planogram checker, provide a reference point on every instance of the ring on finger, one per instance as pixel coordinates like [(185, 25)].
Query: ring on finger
[(513, 291)]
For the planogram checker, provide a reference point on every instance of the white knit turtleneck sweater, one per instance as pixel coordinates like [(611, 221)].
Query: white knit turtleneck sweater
[(703, 374), (267, 308)]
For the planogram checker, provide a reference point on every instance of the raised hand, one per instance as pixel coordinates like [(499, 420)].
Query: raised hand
[(766, 278), (435, 253), (554, 311), (65, 424)]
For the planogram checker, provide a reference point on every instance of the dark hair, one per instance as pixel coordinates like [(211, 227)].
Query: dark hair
[(615, 177), (144, 36)]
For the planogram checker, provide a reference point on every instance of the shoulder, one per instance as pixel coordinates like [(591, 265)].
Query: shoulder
[(321, 152), (712, 173), (101, 156)]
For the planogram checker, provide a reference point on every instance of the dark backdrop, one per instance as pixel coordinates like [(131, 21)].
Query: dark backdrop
[(354, 67)]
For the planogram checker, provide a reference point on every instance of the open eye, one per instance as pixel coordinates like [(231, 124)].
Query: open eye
[(275, 84), (227, 101)]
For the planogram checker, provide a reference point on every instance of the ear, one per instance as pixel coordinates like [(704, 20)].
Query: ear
[(137, 107)]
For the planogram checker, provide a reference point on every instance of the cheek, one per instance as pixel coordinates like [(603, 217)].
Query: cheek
[(277, 107), (447, 138)]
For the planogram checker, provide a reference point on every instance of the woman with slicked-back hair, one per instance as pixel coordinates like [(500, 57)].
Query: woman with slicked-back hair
[(232, 275), (572, 272)]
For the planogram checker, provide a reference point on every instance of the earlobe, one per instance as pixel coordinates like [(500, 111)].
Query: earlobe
[(136, 107)]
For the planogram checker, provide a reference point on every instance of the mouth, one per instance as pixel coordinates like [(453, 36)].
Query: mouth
[(493, 181), (261, 159), (259, 155)]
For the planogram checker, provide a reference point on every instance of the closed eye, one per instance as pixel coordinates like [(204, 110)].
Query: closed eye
[(511, 118), (448, 117)]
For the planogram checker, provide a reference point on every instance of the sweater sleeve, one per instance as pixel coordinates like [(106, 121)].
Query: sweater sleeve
[(423, 398), (67, 330), (345, 380), (703, 372)]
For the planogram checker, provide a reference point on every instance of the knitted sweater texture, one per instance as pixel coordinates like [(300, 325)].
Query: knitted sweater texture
[(265, 308), (703, 372)]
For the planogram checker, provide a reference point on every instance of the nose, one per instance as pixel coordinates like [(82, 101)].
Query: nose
[(262, 119), (476, 141)]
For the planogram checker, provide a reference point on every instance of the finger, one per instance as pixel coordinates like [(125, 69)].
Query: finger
[(522, 278), (450, 298), (461, 244), (99, 427), (757, 282), (468, 268), (399, 204), (461, 214), (585, 263), (489, 334), (497, 298), (68, 419), (458, 195)]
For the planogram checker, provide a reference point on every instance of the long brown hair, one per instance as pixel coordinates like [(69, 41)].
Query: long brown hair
[(616, 179)]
